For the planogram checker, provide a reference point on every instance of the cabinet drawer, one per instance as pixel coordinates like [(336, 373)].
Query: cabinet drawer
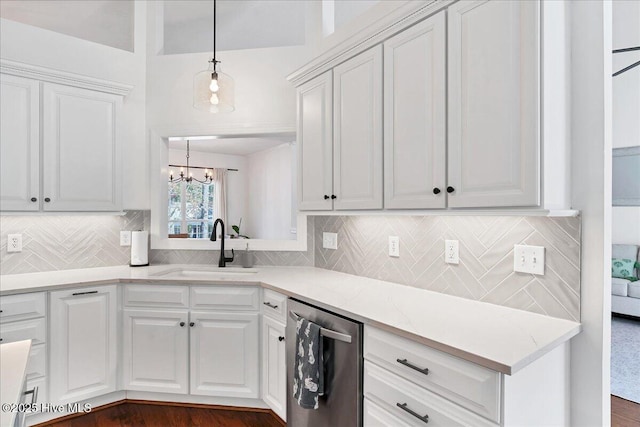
[(37, 364), (156, 296), (389, 391), (376, 416), (33, 329), (23, 306), (469, 385), (274, 305), (236, 298)]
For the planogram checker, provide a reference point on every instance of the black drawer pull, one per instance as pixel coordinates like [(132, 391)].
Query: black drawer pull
[(34, 394), (280, 339), (412, 366), (84, 293), (403, 406), (268, 304)]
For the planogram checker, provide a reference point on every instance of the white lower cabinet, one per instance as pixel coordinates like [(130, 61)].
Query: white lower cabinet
[(224, 354), (199, 352), (83, 343), (155, 350), (274, 369)]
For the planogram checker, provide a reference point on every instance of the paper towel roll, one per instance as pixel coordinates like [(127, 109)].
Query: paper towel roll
[(139, 248)]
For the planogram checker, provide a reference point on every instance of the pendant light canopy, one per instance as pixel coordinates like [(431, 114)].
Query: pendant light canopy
[(213, 90)]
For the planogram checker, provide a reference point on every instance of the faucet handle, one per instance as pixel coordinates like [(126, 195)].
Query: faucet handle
[(233, 255)]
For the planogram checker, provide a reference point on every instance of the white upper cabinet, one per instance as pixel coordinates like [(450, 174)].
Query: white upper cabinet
[(83, 343), (81, 168), (357, 127), (493, 101), (415, 116), (315, 139), (19, 144)]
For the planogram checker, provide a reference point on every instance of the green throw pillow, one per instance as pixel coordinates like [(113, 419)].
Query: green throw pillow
[(622, 268)]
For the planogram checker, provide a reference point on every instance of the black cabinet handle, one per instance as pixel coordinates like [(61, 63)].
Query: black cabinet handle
[(192, 324), (46, 199), (33, 199), (268, 304), (412, 366), (333, 196), (436, 190), (34, 394), (326, 197), (182, 324), (450, 189), (280, 339), (404, 407), (84, 293)]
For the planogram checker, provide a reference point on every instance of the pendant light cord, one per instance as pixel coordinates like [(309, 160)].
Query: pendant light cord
[(215, 62)]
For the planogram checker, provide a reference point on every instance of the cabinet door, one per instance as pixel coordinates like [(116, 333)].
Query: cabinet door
[(357, 154), (20, 143), (155, 345), (274, 373), (493, 103), (315, 141), (415, 116), (224, 354), (81, 151), (83, 343)]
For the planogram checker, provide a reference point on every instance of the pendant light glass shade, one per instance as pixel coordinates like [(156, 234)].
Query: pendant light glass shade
[(213, 90)]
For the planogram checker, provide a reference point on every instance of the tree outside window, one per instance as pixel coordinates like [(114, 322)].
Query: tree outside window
[(191, 209)]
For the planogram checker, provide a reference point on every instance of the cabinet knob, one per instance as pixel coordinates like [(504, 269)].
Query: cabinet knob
[(280, 338), (450, 189), (333, 196), (436, 190), (46, 199), (192, 324), (33, 199), (182, 324), (326, 197)]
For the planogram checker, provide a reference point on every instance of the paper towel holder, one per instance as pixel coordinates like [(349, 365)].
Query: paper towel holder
[(139, 249)]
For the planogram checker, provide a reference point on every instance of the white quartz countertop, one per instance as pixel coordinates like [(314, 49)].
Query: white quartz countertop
[(13, 367), (493, 336)]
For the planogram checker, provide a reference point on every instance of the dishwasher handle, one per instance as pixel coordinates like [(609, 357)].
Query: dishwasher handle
[(327, 333)]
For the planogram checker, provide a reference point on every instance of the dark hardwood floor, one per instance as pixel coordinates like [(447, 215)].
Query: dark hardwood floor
[(138, 414), (624, 413)]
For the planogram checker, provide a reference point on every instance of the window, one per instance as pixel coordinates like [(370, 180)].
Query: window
[(191, 209)]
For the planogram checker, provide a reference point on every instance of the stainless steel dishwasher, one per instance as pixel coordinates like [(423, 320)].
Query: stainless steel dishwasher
[(341, 404)]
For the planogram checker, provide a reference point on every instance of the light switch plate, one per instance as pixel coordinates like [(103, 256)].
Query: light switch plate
[(330, 240), (528, 259), (125, 238), (394, 246), (451, 252), (14, 243)]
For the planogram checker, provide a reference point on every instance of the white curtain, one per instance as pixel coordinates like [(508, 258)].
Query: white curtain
[(220, 199)]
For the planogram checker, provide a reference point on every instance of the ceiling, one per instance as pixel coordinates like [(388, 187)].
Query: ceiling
[(187, 25), (241, 24), (108, 22), (234, 146)]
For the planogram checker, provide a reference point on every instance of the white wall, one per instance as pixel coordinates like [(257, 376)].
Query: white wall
[(626, 108), (236, 180), (36, 46), (270, 193), (591, 114), (265, 101)]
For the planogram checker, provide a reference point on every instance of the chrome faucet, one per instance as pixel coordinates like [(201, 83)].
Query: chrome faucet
[(223, 259)]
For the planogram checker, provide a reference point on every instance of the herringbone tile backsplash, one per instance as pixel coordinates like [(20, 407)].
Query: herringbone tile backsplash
[(485, 272)]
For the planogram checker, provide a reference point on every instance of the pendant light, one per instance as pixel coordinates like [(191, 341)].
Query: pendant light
[(213, 90), (188, 176)]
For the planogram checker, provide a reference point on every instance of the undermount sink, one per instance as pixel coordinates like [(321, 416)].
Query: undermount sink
[(204, 272)]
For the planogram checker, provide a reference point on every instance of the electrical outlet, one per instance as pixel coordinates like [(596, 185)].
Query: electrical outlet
[(528, 259), (125, 238), (330, 240), (14, 243), (394, 246), (451, 254)]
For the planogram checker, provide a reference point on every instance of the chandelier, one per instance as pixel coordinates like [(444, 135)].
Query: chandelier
[(188, 175)]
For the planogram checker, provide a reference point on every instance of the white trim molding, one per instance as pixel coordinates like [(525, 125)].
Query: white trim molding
[(45, 74)]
